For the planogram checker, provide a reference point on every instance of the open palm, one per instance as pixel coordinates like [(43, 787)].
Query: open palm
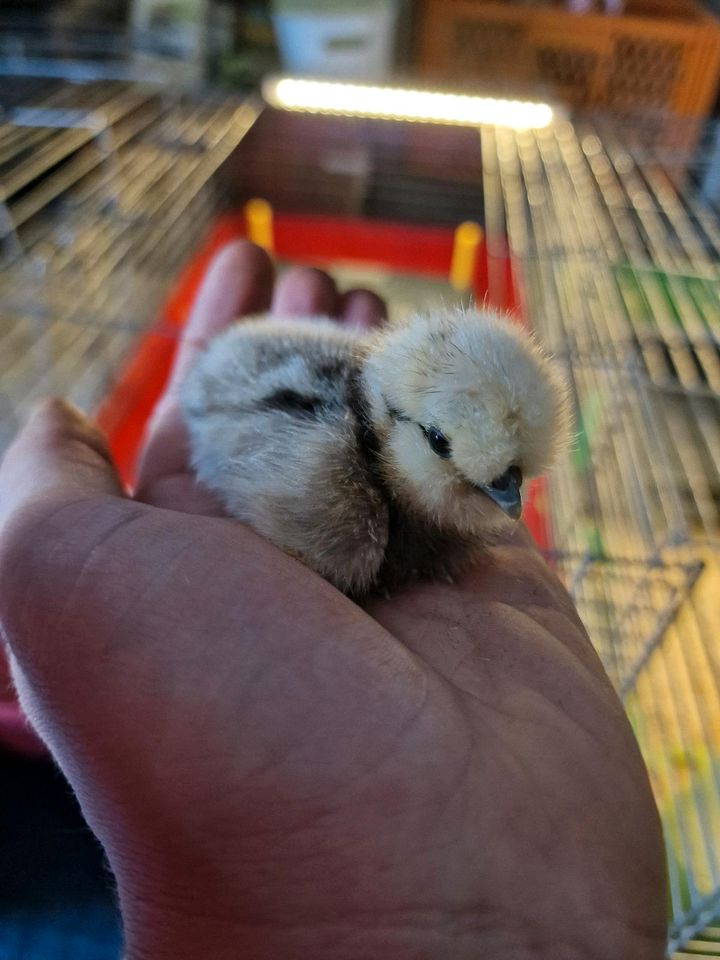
[(277, 773)]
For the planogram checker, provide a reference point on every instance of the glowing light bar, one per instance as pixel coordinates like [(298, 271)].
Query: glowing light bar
[(397, 103)]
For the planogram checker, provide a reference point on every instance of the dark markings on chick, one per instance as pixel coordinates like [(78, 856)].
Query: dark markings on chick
[(292, 402)]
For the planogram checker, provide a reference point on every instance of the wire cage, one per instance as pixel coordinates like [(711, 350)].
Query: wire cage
[(617, 257), (107, 187)]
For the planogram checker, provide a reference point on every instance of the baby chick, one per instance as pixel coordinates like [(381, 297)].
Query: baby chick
[(374, 458)]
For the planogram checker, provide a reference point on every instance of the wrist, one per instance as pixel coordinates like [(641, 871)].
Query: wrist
[(167, 933), (208, 939)]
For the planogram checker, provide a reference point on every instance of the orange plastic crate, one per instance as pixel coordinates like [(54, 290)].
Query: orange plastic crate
[(662, 54)]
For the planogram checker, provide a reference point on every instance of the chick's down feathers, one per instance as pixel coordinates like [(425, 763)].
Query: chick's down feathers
[(374, 458)]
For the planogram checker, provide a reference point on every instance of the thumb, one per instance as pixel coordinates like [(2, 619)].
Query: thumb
[(58, 459), (59, 456)]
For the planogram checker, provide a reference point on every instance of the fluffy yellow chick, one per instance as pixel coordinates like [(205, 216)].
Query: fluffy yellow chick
[(375, 458)]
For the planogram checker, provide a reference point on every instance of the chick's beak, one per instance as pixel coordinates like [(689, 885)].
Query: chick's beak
[(505, 492)]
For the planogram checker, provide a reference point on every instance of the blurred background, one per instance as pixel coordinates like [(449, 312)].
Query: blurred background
[(557, 160)]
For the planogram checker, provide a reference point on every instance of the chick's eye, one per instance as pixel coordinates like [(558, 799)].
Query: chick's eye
[(439, 443)]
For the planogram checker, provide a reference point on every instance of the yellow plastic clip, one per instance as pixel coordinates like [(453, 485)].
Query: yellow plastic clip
[(259, 223), (468, 236)]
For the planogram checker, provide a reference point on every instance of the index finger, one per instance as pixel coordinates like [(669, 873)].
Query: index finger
[(238, 282)]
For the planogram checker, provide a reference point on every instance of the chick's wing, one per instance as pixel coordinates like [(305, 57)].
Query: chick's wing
[(274, 434)]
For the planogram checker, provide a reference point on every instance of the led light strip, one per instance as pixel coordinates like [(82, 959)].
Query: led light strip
[(396, 103)]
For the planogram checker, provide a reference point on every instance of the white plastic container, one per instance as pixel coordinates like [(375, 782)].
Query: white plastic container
[(336, 39)]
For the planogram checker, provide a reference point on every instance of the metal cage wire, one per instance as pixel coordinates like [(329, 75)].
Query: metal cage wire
[(107, 187), (617, 257)]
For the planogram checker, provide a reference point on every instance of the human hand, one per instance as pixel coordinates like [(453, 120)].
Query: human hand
[(275, 772)]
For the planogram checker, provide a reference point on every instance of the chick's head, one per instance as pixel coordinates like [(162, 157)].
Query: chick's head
[(465, 406)]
